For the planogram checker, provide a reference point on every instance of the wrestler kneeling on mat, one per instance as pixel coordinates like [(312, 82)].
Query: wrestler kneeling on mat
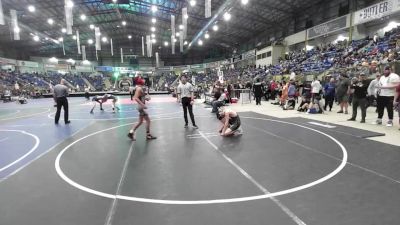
[(231, 122), (141, 98), (103, 99)]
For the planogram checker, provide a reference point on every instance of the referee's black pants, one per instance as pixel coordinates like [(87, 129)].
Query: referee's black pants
[(186, 105), (62, 102)]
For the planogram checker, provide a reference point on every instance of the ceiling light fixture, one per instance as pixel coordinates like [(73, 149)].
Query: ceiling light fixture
[(227, 16), (130, 36), (74, 37), (69, 4), (154, 8), (60, 39), (166, 43), (244, 2), (91, 26), (180, 27), (31, 8), (50, 21), (185, 43), (90, 41), (64, 30), (215, 28), (83, 17), (53, 59), (192, 2), (153, 35), (153, 41), (200, 42), (153, 20), (124, 23), (153, 29), (206, 36), (36, 38), (104, 39)]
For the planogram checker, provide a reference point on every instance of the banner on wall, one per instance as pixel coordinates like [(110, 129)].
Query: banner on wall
[(104, 68), (5, 61), (207, 5), (1, 14), (14, 25), (28, 64), (376, 11), (328, 27), (83, 68)]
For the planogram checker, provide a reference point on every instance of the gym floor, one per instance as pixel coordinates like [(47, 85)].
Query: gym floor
[(279, 172)]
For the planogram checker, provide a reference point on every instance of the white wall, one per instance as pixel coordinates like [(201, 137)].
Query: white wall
[(295, 38), (276, 52), (266, 61)]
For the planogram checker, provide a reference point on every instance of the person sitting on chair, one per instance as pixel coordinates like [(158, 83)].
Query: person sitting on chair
[(103, 99), (219, 99), (230, 122)]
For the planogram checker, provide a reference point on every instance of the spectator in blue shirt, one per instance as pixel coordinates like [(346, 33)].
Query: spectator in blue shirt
[(329, 93), (291, 96)]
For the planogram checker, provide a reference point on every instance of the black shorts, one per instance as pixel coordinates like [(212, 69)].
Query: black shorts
[(235, 125)]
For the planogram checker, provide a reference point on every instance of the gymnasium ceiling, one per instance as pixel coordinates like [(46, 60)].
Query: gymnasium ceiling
[(247, 21)]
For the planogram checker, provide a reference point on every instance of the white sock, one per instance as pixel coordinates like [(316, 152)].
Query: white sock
[(131, 131)]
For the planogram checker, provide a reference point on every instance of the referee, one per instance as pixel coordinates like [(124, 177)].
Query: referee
[(185, 91), (60, 97)]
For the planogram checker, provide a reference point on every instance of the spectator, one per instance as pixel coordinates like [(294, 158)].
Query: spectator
[(291, 103), (219, 99), (372, 90), (396, 102), (360, 92), (315, 89), (258, 90), (284, 93), (329, 94), (386, 91), (342, 93), (272, 88), (305, 101)]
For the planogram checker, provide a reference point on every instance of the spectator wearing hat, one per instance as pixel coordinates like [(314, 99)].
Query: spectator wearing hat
[(342, 93), (360, 92), (386, 89)]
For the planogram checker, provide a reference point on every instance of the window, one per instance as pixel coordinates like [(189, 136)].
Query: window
[(264, 55), (269, 54), (259, 56)]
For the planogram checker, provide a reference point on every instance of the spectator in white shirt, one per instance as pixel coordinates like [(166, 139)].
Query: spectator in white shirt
[(315, 88), (386, 89)]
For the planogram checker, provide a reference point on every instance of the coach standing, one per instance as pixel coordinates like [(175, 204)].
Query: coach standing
[(185, 92), (60, 97)]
